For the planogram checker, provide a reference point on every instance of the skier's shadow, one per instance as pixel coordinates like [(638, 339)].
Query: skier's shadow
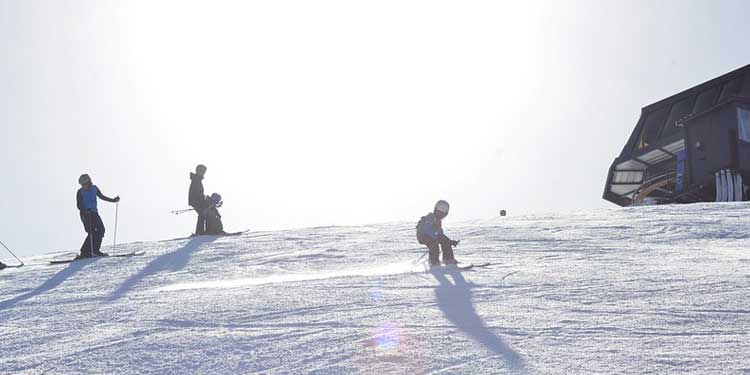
[(172, 262), (51, 283), (455, 301)]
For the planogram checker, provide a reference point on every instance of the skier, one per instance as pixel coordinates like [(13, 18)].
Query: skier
[(197, 199), (92, 222), (430, 233), (214, 225)]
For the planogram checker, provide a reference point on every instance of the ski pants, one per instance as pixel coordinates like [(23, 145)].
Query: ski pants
[(93, 225), (213, 221), (200, 226), (434, 247)]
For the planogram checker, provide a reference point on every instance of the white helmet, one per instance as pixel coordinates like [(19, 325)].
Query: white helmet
[(442, 206)]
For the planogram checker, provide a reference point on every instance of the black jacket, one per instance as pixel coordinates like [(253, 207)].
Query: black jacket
[(196, 197)]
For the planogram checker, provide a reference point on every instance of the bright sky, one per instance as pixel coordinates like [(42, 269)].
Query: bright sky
[(313, 113)]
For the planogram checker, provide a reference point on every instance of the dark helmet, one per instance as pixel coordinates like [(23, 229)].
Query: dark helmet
[(215, 198), (442, 207), (503, 213), (200, 169), (84, 179)]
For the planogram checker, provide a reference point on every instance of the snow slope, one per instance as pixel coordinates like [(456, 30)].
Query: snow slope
[(642, 290)]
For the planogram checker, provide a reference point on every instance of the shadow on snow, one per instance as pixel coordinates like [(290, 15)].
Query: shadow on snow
[(455, 301), (52, 283), (172, 262)]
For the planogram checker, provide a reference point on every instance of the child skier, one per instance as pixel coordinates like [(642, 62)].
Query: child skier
[(430, 233), (214, 225), (92, 222)]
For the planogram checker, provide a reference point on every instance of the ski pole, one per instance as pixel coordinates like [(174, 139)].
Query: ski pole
[(420, 258), (11, 253), (178, 212), (114, 241)]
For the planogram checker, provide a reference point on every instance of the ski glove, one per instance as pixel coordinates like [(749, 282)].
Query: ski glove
[(117, 199), (455, 243)]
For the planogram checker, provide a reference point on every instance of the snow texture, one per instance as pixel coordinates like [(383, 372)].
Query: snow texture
[(640, 290)]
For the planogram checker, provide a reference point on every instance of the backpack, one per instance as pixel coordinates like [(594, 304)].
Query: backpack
[(420, 229)]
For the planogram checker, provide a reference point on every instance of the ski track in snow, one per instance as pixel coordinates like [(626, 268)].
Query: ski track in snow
[(638, 290), (390, 269)]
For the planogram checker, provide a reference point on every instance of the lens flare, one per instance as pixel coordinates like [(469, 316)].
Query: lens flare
[(387, 338)]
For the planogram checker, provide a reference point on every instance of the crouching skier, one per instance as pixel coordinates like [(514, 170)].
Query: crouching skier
[(92, 222), (430, 233), (214, 226)]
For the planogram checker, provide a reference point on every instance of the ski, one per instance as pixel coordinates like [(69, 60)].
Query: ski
[(221, 235), (451, 267), (63, 261), (461, 266), (130, 254), (233, 234), (472, 265)]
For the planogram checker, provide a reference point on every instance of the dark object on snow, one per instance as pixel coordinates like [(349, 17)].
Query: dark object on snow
[(503, 213), (86, 199), (2, 266), (691, 147), (430, 233)]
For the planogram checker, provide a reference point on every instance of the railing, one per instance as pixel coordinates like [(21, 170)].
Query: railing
[(654, 183)]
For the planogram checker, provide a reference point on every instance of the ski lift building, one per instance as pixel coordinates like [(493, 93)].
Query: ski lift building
[(691, 147)]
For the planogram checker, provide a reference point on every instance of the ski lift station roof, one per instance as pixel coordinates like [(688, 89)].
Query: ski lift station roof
[(683, 145)]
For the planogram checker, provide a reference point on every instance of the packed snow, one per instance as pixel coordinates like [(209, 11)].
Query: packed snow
[(638, 290)]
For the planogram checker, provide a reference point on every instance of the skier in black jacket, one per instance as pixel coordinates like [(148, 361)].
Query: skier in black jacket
[(214, 226), (430, 233), (197, 198), (92, 222)]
